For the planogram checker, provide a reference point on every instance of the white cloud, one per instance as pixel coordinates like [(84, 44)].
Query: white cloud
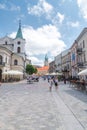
[(59, 18), (36, 60), (73, 24), (41, 41), (46, 9), (41, 8), (82, 4), (11, 7)]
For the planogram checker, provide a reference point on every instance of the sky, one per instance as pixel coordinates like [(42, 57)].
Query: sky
[(48, 26)]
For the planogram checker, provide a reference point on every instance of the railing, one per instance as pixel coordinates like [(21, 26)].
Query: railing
[(80, 64), (81, 85)]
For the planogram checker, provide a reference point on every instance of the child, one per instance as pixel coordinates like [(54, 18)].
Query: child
[(51, 84)]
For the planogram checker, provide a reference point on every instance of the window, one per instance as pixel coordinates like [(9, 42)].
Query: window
[(83, 44), (6, 59), (84, 58), (5, 42), (19, 42), (18, 49), (15, 62)]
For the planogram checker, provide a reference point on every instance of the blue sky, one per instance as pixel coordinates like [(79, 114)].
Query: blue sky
[(49, 26)]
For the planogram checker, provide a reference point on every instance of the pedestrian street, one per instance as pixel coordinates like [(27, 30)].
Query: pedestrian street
[(32, 107)]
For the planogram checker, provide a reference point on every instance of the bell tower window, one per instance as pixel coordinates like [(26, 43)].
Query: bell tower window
[(18, 50), (19, 42)]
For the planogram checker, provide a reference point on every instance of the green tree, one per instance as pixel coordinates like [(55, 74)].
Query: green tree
[(30, 69), (35, 70)]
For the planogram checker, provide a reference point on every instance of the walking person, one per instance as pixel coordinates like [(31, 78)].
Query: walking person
[(51, 84), (64, 80), (56, 82)]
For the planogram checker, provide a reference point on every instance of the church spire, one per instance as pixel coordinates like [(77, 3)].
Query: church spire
[(19, 33), (46, 60)]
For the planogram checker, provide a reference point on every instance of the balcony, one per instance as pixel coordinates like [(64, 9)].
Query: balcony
[(2, 64), (68, 60), (80, 64), (65, 70), (79, 51)]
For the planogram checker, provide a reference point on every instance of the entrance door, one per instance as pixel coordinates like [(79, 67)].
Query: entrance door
[(0, 74)]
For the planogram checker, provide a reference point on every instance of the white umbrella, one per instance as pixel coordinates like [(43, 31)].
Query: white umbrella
[(83, 72), (13, 72), (4, 73), (52, 73), (59, 73), (55, 73), (47, 74)]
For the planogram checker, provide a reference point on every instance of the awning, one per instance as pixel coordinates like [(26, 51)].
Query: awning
[(83, 72)]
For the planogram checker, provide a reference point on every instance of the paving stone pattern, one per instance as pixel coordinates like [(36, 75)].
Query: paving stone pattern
[(32, 107)]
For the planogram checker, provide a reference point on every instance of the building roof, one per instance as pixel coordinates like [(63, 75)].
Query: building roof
[(19, 33), (81, 34), (44, 68)]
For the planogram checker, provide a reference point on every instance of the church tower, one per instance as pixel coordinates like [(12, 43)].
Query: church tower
[(46, 61), (19, 42), (19, 33)]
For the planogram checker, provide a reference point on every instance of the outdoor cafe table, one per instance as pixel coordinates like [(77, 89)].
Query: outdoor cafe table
[(79, 84)]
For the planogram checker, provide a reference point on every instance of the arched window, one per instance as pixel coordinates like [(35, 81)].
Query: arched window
[(19, 42), (18, 49), (0, 59), (15, 62)]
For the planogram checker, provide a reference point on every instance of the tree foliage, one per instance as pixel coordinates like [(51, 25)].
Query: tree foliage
[(35, 70), (30, 69)]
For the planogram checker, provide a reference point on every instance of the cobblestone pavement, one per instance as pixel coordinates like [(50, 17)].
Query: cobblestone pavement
[(32, 107)]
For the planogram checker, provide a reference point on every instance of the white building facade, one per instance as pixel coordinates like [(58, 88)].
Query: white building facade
[(12, 54), (58, 63)]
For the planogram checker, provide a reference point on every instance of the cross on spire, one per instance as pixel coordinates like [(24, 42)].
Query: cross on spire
[(19, 23)]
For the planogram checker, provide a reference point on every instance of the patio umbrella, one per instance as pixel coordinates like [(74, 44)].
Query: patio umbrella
[(51, 73), (5, 73), (55, 73), (83, 72), (59, 73), (47, 74), (13, 72)]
